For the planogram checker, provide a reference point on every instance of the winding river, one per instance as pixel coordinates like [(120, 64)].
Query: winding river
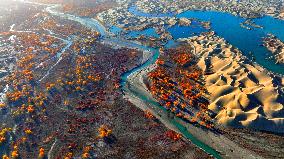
[(228, 27), (246, 40), (96, 25)]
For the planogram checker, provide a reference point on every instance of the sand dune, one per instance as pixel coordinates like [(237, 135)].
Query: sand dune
[(242, 93)]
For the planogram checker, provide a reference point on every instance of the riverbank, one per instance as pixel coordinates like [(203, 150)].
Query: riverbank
[(276, 47), (226, 147), (200, 138), (107, 95), (247, 40), (241, 93)]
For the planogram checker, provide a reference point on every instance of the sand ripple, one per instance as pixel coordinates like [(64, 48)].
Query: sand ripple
[(242, 93)]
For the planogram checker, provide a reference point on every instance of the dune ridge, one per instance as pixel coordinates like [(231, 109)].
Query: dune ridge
[(241, 93)]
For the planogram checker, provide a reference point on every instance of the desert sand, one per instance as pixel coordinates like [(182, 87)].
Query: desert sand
[(241, 93), (226, 147)]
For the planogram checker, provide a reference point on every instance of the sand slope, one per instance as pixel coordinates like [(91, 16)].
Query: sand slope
[(242, 93), (226, 147)]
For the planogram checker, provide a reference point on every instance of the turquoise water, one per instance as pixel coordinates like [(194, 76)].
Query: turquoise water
[(171, 44), (228, 27), (149, 32), (224, 24), (272, 25), (115, 29), (178, 31), (149, 62), (174, 121), (88, 22), (182, 129)]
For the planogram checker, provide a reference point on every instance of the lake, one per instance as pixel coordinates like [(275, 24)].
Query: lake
[(228, 26)]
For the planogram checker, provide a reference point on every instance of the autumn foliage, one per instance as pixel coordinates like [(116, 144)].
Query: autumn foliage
[(177, 85), (173, 135)]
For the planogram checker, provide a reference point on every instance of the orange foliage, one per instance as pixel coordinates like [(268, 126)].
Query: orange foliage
[(41, 153), (104, 131), (183, 58), (15, 153), (178, 86), (173, 135), (148, 114), (160, 62), (30, 109), (5, 157)]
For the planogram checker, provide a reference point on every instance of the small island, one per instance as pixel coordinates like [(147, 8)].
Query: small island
[(275, 46)]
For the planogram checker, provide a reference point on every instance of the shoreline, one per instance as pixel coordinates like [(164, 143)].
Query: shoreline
[(275, 46), (242, 93), (220, 143), (139, 84)]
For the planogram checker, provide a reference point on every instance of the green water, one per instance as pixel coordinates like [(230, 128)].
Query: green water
[(91, 23), (175, 121)]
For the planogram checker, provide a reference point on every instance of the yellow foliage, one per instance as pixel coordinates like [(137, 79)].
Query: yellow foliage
[(104, 131), (28, 131), (24, 139), (86, 155), (15, 154), (69, 155), (2, 105), (30, 109), (66, 102)]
